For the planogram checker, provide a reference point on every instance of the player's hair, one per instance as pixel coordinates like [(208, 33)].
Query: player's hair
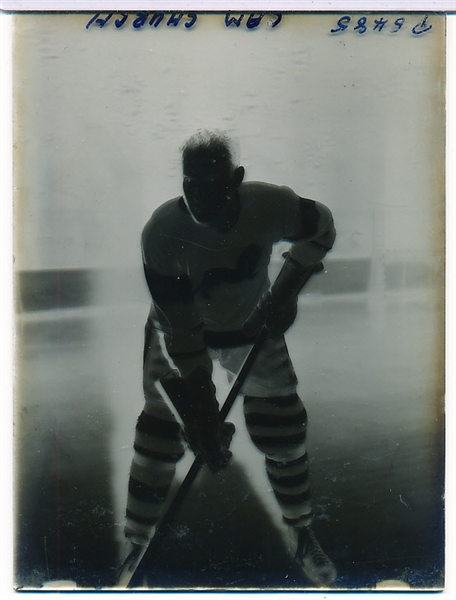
[(213, 144)]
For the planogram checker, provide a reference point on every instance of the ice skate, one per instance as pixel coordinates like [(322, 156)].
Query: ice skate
[(309, 555), (131, 556)]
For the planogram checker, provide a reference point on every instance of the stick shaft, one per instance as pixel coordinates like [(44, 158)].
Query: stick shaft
[(195, 468), (176, 502)]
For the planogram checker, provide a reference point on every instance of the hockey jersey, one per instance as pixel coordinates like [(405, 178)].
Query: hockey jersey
[(205, 283)]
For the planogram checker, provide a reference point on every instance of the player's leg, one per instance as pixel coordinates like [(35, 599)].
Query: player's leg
[(158, 446), (277, 427), (277, 424)]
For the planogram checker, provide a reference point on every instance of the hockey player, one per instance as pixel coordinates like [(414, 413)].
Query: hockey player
[(206, 255)]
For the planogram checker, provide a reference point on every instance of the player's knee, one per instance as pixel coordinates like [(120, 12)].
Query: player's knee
[(277, 426), (287, 454), (284, 413), (158, 427)]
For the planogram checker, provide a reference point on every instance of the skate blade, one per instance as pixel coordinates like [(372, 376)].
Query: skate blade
[(128, 567)]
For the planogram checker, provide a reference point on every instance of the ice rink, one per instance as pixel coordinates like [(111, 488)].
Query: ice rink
[(371, 388)]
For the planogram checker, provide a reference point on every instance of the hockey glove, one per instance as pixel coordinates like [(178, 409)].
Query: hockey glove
[(280, 316), (206, 434), (278, 310), (281, 305)]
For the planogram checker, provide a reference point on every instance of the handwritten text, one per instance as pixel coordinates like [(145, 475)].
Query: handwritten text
[(362, 25), (154, 19)]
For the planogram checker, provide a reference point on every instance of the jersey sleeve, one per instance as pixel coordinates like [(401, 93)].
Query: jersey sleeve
[(311, 244), (307, 224)]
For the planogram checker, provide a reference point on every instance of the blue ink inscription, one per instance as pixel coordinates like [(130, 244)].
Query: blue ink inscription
[(155, 18), (140, 19), (100, 22), (421, 27), (361, 27), (232, 20), (119, 22), (253, 20), (399, 23), (379, 25), (342, 24)]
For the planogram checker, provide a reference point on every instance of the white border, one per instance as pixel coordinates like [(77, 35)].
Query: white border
[(450, 392), (6, 308), (233, 6), (6, 358)]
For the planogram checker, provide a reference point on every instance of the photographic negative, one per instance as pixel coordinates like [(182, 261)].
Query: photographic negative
[(229, 181)]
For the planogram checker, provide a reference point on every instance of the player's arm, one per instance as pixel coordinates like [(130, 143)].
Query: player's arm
[(315, 234), (193, 392), (172, 293), (309, 226), (179, 319)]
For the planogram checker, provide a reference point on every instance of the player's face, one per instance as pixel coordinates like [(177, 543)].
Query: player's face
[(207, 187)]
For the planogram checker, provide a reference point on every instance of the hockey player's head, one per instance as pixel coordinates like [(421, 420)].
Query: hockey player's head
[(210, 175)]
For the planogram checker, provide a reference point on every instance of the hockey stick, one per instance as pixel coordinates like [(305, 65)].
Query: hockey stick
[(138, 572)]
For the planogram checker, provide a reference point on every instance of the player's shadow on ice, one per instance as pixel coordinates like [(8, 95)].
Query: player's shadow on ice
[(223, 537)]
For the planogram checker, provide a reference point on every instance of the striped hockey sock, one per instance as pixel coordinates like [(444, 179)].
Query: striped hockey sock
[(277, 427), (158, 447)]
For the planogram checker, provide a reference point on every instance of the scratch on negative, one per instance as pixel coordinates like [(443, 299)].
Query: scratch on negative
[(378, 457), (404, 503), (191, 242)]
